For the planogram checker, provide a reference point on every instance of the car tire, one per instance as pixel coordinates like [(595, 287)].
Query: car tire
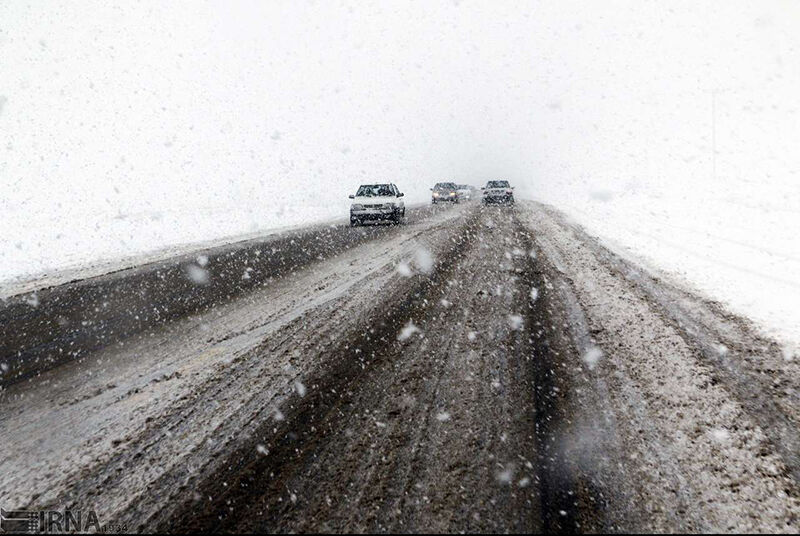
[(354, 223)]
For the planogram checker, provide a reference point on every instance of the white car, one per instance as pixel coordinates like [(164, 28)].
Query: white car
[(377, 202)]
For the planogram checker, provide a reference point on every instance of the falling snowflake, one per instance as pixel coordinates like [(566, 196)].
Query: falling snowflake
[(592, 356), (506, 475), (404, 270), (515, 321), (423, 260), (197, 275), (720, 435), (408, 330)]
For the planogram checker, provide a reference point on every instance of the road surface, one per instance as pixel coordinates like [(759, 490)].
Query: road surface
[(477, 369)]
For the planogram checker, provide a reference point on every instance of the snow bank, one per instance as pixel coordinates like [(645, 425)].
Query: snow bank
[(743, 251)]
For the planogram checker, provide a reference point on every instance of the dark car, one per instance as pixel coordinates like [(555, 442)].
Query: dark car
[(498, 192), (445, 191)]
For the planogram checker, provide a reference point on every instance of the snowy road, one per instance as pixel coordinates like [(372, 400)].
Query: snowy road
[(478, 369)]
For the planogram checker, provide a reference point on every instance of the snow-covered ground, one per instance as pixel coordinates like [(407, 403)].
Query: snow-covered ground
[(669, 129), (741, 250)]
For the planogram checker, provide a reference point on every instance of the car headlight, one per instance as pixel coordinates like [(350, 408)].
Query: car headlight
[(452, 193), (357, 207), (435, 194)]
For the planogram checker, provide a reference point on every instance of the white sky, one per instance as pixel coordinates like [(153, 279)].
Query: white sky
[(126, 126)]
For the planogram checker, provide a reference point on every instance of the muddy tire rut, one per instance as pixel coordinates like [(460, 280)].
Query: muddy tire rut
[(439, 431)]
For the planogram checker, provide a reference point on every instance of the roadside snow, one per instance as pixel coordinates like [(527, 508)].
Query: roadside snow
[(741, 248)]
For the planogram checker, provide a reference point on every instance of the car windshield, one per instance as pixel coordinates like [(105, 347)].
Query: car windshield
[(374, 190), (445, 186), (497, 184)]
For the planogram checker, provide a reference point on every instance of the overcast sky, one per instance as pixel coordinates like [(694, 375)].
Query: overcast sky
[(186, 119)]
